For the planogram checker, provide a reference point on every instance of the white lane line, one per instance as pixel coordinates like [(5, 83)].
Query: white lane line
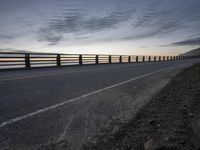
[(17, 119)]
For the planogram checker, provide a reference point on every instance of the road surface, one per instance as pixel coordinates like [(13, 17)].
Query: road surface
[(73, 104)]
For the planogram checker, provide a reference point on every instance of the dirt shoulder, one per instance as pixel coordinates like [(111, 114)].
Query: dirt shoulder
[(171, 120)]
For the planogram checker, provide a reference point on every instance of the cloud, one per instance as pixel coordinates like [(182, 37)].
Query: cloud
[(49, 36), (110, 21), (189, 42), (74, 21), (4, 37), (154, 23)]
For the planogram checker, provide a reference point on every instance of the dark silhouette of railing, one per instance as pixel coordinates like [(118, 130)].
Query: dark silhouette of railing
[(29, 60)]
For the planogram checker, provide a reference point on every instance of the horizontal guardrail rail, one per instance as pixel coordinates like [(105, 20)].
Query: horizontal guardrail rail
[(31, 60)]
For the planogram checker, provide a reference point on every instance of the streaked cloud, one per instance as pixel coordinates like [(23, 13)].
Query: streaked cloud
[(74, 21), (189, 42)]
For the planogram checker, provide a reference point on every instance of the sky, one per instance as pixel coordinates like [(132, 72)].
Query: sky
[(126, 27)]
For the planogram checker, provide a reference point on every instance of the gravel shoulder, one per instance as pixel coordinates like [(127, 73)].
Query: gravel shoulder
[(171, 120)]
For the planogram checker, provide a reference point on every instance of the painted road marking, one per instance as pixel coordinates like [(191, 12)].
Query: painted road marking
[(17, 119)]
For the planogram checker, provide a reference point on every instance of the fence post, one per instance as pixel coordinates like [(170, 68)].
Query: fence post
[(27, 61), (143, 58), (97, 59), (149, 58), (129, 59), (110, 59), (136, 59), (80, 60), (163, 58), (120, 59), (58, 60), (154, 58), (159, 58)]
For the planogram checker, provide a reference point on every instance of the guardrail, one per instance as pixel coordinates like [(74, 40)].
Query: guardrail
[(31, 60)]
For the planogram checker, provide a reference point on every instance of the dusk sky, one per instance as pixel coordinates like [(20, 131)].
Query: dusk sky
[(151, 27)]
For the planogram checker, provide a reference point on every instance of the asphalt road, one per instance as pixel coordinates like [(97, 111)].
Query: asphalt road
[(73, 104)]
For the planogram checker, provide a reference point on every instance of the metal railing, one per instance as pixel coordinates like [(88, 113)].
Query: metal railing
[(31, 60)]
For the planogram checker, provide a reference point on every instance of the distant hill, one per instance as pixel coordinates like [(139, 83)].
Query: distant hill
[(194, 52)]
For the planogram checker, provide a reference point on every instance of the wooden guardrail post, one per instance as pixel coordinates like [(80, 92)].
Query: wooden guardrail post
[(80, 60), (149, 58), (120, 59), (27, 61), (143, 59), (159, 58), (97, 59), (110, 59), (129, 59), (136, 59), (154, 58), (58, 60), (163, 58)]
